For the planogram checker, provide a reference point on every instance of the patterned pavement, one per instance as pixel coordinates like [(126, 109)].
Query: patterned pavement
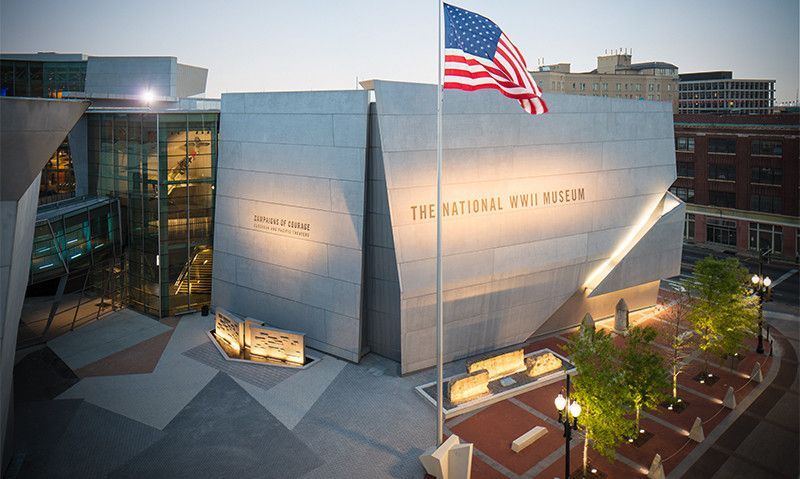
[(167, 405), (161, 402)]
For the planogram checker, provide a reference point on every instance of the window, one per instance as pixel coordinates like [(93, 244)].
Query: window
[(764, 237), (619, 86), (638, 87), (720, 171), (594, 86), (721, 145), (684, 143), (583, 86), (688, 226), (766, 203), (765, 147), (686, 169), (686, 194), (767, 176), (721, 231), (726, 199)]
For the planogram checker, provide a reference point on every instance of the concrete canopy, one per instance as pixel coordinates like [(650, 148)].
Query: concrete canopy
[(31, 129)]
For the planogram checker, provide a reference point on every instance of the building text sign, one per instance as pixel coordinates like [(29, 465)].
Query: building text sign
[(281, 225), (490, 204)]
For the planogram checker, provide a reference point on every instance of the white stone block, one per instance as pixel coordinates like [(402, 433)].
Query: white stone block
[(756, 375), (730, 398), (656, 470), (528, 438), (696, 434)]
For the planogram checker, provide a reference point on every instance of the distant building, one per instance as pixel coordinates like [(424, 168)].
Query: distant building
[(718, 92), (615, 76), (738, 175)]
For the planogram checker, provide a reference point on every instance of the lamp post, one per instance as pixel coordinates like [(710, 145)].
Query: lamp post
[(568, 413), (761, 288)]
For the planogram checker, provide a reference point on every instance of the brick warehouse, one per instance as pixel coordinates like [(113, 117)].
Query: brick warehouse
[(739, 177)]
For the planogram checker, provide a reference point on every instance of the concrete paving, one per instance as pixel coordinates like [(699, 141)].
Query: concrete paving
[(100, 339), (196, 415), (764, 442)]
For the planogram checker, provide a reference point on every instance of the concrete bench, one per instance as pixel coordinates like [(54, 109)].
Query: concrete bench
[(528, 438)]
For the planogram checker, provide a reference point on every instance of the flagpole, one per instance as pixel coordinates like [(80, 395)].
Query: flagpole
[(439, 306)]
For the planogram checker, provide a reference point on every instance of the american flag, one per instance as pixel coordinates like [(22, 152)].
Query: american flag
[(479, 55)]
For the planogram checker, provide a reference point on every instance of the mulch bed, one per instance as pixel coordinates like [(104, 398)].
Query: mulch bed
[(706, 378), (597, 474), (677, 407)]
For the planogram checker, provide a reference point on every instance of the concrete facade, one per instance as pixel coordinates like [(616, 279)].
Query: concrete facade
[(545, 218), (130, 77), (289, 225), (30, 131), (508, 269)]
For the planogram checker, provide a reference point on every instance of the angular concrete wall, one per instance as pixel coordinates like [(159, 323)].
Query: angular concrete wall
[(132, 76), (289, 223), (190, 80), (508, 268), (381, 284), (30, 131)]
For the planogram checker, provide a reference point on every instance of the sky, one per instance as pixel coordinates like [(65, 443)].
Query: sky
[(267, 45)]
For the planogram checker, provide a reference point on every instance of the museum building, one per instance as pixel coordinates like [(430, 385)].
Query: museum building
[(325, 216), (315, 211)]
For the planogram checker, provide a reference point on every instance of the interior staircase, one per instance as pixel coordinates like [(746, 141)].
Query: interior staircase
[(196, 276)]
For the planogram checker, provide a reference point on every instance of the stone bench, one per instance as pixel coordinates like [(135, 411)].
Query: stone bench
[(528, 438)]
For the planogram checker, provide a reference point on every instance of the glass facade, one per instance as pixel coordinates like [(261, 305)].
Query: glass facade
[(162, 166), (41, 79), (78, 233), (766, 237), (58, 176), (721, 231)]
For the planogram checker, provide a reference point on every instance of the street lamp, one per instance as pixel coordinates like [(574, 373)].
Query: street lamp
[(568, 413), (761, 287)]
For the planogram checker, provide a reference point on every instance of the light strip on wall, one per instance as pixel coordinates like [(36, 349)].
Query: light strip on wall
[(666, 204)]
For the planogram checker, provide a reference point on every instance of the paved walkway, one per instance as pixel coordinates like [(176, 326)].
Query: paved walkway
[(149, 400), (764, 442), (153, 400)]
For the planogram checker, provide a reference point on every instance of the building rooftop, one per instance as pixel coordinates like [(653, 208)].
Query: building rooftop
[(648, 65), (45, 57)]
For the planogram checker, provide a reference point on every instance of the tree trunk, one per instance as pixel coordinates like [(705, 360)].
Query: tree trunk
[(638, 411), (674, 383), (585, 452)]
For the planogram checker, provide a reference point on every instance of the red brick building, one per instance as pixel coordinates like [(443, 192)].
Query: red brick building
[(739, 177)]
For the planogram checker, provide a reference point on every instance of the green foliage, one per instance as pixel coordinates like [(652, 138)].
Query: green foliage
[(598, 388), (725, 312), (645, 377)]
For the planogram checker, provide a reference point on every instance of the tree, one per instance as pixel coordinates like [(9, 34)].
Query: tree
[(597, 387), (724, 312), (681, 341), (644, 375)]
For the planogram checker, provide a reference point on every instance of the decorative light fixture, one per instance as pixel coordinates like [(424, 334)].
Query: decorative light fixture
[(561, 402), (568, 412), (761, 287)]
